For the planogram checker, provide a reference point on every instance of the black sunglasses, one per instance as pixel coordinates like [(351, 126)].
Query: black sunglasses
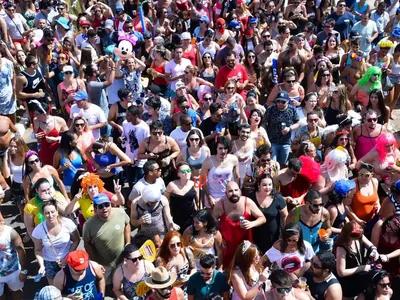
[(101, 206), (32, 162), (135, 259)]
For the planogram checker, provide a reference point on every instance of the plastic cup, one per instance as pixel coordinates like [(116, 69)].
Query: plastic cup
[(321, 233), (303, 283)]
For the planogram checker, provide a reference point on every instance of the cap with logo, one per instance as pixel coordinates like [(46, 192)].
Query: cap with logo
[(100, 199), (78, 260), (283, 96), (80, 95), (68, 69)]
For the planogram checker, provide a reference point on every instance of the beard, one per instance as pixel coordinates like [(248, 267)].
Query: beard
[(234, 199)]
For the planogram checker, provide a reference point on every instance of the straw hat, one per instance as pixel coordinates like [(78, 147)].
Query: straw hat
[(160, 278)]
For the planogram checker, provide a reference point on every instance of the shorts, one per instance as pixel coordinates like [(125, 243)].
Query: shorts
[(12, 282), (51, 268), (395, 79), (17, 194)]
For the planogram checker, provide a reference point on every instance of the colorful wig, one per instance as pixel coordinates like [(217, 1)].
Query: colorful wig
[(363, 81), (386, 44), (310, 169), (383, 140), (335, 164), (90, 180)]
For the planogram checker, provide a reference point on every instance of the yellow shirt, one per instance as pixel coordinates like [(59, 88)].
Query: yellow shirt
[(86, 206), (32, 209)]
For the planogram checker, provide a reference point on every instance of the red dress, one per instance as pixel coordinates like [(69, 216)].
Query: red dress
[(47, 150), (295, 189), (233, 234), (384, 247)]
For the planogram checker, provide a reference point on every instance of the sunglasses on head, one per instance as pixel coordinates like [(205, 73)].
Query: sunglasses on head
[(103, 205)]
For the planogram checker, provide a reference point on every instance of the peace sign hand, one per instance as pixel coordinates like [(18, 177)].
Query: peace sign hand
[(78, 194), (117, 187)]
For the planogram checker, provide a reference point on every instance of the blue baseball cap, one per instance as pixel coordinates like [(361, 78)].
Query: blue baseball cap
[(100, 199), (253, 20), (343, 186), (396, 32), (205, 19), (63, 22), (80, 95), (235, 24), (283, 96)]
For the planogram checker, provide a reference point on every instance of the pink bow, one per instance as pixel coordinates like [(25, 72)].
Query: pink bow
[(132, 38)]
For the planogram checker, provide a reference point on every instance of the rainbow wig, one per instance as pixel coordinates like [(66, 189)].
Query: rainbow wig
[(383, 140), (363, 81), (310, 169), (90, 180)]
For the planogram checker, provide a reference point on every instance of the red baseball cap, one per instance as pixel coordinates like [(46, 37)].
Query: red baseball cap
[(78, 260), (84, 22)]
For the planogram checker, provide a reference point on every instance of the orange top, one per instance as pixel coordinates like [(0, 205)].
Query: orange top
[(364, 206)]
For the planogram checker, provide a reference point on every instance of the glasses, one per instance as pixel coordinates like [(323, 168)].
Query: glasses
[(155, 133), (230, 88), (68, 73), (341, 5), (370, 120), (317, 205), (343, 139), (135, 259), (184, 107), (292, 241), (103, 205), (187, 171), (85, 27), (251, 56), (313, 120), (327, 75), (375, 74), (187, 72), (207, 99), (194, 139), (385, 285), (79, 124), (365, 174), (284, 290), (266, 36), (32, 162), (11, 10), (176, 245), (290, 81)]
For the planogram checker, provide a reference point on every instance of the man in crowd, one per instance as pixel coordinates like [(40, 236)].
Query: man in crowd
[(344, 20), (161, 282)]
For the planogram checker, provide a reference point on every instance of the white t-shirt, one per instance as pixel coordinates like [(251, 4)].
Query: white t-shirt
[(135, 135), (291, 262), (366, 33), (175, 70), (94, 115), (61, 243), (142, 183), (180, 138), (380, 20), (87, 44), (16, 26)]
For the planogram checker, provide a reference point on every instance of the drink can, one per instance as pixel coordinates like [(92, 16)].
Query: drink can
[(149, 216), (283, 125), (78, 293), (241, 219)]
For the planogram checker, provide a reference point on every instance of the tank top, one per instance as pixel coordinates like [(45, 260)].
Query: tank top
[(156, 227), (165, 171), (87, 285), (129, 288), (330, 115), (208, 77), (395, 203), (17, 171), (9, 262), (201, 249), (195, 164), (319, 289), (364, 206), (33, 84), (217, 179), (121, 114), (364, 144), (392, 266), (310, 233), (232, 116), (68, 91), (340, 218), (248, 287), (159, 69), (190, 55), (395, 68), (210, 50), (106, 159), (69, 174), (232, 233), (48, 149)]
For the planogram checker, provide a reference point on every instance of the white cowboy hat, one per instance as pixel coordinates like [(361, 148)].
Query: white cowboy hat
[(160, 278)]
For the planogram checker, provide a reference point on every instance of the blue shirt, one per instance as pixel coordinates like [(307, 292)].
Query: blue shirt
[(343, 24), (199, 289)]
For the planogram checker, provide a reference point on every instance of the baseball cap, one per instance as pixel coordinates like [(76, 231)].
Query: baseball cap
[(63, 22), (84, 22), (151, 194), (80, 95), (185, 36), (108, 24), (283, 96), (253, 20), (343, 186), (100, 199), (67, 69), (234, 24), (48, 293), (78, 260), (180, 84), (396, 32), (249, 31), (119, 11), (205, 19)]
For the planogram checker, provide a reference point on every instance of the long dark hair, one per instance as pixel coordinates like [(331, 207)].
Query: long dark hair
[(204, 216), (292, 229), (261, 178), (381, 102), (370, 292), (256, 66), (66, 143)]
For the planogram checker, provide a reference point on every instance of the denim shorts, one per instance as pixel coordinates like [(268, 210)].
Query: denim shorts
[(51, 268)]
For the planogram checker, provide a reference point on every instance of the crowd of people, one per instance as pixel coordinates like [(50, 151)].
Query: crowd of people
[(198, 149)]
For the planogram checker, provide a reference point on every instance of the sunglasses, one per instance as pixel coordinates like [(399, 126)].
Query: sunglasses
[(385, 285), (251, 56), (68, 73), (370, 120), (343, 139), (266, 36), (176, 245), (290, 81), (327, 75), (184, 107), (341, 5), (317, 205), (284, 290), (187, 171), (32, 162), (230, 88), (157, 133), (101, 206), (207, 99), (135, 259), (313, 120), (194, 139), (85, 27), (365, 174), (292, 241), (376, 74), (79, 124)]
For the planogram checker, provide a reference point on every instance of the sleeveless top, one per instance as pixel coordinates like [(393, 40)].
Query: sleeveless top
[(364, 144), (17, 171), (156, 227), (232, 233), (319, 289), (159, 69), (199, 249), (129, 288), (165, 171), (310, 233), (195, 164), (106, 159), (364, 206), (183, 203), (395, 68), (393, 267), (340, 218), (48, 149), (217, 179), (208, 77), (395, 203), (248, 287), (191, 55), (68, 91), (210, 50), (9, 262), (87, 285), (330, 115), (121, 114), (232, 116), (69, 174)]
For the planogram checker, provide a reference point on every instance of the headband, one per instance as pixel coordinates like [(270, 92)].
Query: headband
[(246, 245)]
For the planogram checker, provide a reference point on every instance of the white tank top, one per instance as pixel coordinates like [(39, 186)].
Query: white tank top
[(395, 68), (17, 171)]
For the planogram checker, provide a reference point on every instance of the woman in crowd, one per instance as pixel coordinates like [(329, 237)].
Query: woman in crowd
[(291, 253), (379, 289), (134, 270), (273, 206), (338, 103), (309, 104), (107, 160), (333, 169), (193, 82), (73, 52), (355, 71), (342, 139), (252, 103), (163, 149), (395, 76), (258, 133), (204, 106), (175, 257), (13, 164), (35, 170), (68, 159), (54, 239), (253, 69), (48, 129), (246, 275), (203, 237), (157, 68), (370, 81), (377, 103), (209, 70), (321, 86), (354, 272), (183, 196), (321, 63), (80, 127), (334, 53)]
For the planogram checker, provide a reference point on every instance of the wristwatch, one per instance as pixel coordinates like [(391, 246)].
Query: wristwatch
[(24, 272)]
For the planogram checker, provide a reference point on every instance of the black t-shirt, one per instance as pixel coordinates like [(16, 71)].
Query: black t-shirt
[(209, 127)]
